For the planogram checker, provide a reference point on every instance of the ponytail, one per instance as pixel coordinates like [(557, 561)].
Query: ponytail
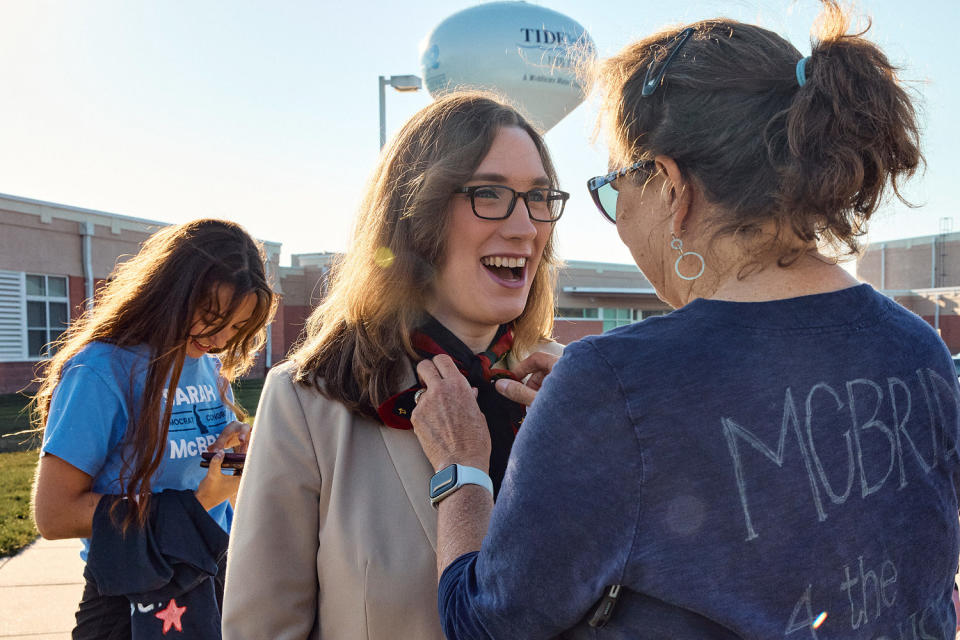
[(812, 159), (851, 130)]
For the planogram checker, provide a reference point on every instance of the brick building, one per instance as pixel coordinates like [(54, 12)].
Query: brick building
[(922, 274), (593, 297)]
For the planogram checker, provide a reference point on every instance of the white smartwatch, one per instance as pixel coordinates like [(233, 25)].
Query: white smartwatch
[(449, 479)]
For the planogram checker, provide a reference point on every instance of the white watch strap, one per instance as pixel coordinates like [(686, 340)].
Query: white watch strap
[(465, 475), (472, 475)]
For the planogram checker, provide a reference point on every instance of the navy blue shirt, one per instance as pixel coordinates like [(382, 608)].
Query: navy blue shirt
[(783, 469)]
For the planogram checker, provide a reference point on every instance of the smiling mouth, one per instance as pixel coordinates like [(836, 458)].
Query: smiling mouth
[(200, 346), (507, 268)]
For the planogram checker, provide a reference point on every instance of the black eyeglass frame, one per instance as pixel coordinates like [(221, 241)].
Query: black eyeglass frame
[(594, 184), (472, 190)]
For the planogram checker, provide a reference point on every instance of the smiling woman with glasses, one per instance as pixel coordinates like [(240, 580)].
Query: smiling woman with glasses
[(780, 446), (452, 257)]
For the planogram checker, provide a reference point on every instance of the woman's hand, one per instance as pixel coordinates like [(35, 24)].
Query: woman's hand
[(447, 420), (216, 486), (537, 366), (235, 435)]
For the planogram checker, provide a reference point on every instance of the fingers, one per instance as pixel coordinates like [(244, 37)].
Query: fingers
[(215, 463), (243, 436), (535, 363), (216, 486), (447, 367), (234, 435), (441, 368), (427, 372), (516, 391), (535, 381)]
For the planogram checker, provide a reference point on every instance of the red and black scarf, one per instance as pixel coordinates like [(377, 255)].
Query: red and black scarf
[(503, 416)]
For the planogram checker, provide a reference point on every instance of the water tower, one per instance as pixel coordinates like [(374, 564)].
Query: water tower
[(525, 52)]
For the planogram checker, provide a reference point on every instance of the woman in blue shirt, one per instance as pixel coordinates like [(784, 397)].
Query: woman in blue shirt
[(777, 458)]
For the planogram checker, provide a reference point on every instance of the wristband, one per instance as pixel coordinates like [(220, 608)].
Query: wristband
[(449, 479)]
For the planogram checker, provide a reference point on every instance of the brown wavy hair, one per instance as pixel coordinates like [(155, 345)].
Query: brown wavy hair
[(357, 341), (151, 300), (816, 159)]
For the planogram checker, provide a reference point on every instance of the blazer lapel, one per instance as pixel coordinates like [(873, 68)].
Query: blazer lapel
[(414, 470)]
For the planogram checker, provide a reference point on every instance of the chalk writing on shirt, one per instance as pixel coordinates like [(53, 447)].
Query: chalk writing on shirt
[(874, 586), (914, 440), (871, 592)]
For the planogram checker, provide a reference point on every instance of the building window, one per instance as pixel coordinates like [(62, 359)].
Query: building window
[(643, 314), (573, 313), (613, 318), (48, 312)]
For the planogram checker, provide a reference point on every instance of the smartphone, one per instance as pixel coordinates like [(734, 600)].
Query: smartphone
[(230, 460)]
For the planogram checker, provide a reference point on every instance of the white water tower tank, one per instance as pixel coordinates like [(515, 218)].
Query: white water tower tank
[(525, 52)]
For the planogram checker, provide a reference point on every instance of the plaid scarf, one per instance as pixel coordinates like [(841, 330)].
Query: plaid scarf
[(503, 416)]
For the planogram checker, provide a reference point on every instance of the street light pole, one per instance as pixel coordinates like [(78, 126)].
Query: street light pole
[(383, 111), (400, 83)]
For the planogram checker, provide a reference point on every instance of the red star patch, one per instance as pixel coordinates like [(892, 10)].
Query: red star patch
[(171, 616)]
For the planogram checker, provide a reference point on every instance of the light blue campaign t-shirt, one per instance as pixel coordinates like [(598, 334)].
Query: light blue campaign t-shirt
[(90, 411)]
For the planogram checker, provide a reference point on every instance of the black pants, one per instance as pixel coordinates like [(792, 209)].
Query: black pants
[(102, 617), (108, 617)]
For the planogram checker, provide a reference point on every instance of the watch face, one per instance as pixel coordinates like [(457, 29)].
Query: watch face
[(443, 480)]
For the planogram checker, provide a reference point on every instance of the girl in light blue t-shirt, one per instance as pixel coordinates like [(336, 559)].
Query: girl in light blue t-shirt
[(133, 394)]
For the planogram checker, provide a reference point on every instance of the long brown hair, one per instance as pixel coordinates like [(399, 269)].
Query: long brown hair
[(150, 300), (815, 159), (358, 340)]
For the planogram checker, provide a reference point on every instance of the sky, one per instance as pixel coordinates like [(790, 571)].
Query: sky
[(266, 112)]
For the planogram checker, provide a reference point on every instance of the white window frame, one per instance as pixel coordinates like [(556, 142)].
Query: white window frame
[(631, 316), (643, 314), (576, 318), (47, 298)]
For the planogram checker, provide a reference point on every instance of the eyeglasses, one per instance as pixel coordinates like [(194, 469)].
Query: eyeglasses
[(604, 193), (496, 202)]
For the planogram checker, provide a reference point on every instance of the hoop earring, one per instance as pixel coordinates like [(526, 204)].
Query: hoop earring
[(677, 244)]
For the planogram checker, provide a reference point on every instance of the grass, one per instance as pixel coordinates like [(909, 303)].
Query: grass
[(16, 526), (18, 459), (247, 394), (14, 419)]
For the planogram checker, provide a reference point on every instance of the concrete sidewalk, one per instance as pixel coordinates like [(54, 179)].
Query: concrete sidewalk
[(39, 591)]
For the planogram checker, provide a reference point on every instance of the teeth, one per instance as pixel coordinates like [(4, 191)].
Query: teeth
[(503, 261)]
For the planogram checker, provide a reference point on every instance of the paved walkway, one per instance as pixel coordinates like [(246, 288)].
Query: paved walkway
[(39, 591)]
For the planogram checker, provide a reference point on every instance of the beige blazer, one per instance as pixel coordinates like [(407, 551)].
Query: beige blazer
[(334, 536)]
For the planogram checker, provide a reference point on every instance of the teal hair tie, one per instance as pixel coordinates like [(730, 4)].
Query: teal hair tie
[(802, 71)]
